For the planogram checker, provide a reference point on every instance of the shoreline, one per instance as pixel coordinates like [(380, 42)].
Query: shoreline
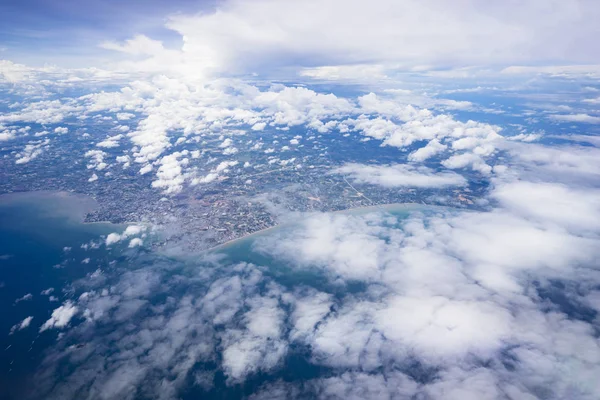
[(381, 207), (84, 204), (87, 203)]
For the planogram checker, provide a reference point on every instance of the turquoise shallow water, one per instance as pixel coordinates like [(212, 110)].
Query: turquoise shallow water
[(246, 250)]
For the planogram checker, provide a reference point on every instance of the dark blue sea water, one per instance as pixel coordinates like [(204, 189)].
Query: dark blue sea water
[(40, 248), (44, 244)]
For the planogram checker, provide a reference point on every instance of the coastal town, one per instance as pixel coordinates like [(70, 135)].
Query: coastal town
[(253, 183)]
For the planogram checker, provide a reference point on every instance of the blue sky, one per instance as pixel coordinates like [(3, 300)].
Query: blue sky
[(248, 36), (33, 31)]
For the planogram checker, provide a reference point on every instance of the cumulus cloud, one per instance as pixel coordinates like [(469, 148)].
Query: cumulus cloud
[(216, 172), (432, 148), (21, 325), (574, 209), (32, 151), (110, 142), (170, 108), (131, 230), (453, 283), (96, 159), (170, 173), (465, 160), (60, 316), (135, 242), (400, 175)]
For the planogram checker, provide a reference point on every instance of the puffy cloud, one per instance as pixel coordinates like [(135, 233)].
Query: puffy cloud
[(444, 303), (131, 230), (170, 174), (32, 151), (216, 172), (96, 159), (21, 325), (465, 160), (135, 242), (400, 175), (455, 288), (60, 317), (110, 142), (112, 238), (432, 148), (575, 209), (259, 345), (399, 124)]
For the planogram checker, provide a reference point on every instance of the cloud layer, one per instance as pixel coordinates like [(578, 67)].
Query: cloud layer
[(252, 36), (429, 302)]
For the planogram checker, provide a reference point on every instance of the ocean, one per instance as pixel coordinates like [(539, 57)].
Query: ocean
[(45, 248), (41, 234)]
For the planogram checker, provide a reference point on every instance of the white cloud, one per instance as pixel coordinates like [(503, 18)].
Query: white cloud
[(60, 317), (135, 242), (216, 172), (568, 71), (450, 305), (574, 209), (96, 159), (25, 297), (7, 134), (465, 160), (171, 174), (432, 148), (32, 151), (447, 287), (112, 238), (575, 118), (400, 175), (346, 73), (21, 325), (226, 143), (259, 346), (110, 142), (131, 230), (242, 36)]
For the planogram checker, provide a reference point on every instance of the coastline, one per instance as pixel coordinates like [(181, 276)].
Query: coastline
[(365, 209), (75, 212), (77, 205)]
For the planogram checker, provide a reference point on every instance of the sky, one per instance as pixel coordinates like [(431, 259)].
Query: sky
[(244, 37), (68, 32)]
